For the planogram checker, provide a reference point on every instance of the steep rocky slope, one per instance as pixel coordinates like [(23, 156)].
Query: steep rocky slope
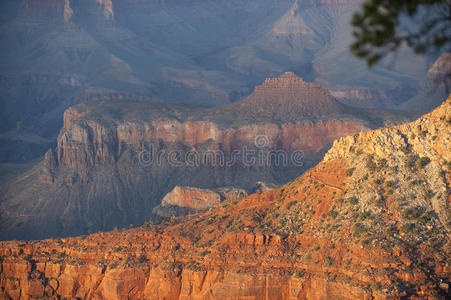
[(371, 221), (115, 161)]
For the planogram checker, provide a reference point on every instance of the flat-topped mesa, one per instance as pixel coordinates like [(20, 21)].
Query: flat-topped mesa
[(289, 97), (288, 82)]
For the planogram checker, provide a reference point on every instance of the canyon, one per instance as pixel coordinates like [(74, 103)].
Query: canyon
[(370, 221), (114, 161), (57, 54), (208, 149)]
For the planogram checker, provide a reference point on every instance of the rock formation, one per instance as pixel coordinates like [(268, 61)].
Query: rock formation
[(371, 221), (441, 68), (187, 200), (59, 53), (115, 160), (440, 72), (372, 98), (435, 87)]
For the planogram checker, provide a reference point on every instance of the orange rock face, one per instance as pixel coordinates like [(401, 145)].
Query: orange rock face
[(184, 200), (191, 198)]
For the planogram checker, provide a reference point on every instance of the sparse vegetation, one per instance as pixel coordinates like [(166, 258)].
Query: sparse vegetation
[(204, 253), (290, 204), (300, 274), (390, 184), (349, 172), (359, 229), (405, 149), (333, 214), (422, 162), (370, 164), (329, 261), (412, 213), (353, 200), (428, 194)]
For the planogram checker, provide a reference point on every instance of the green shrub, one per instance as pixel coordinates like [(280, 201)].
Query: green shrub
[(378, 181), (412, 213), (290, 204), (405, 149), (382, 164), (409, 227), (204, 253), (329, 261), (370, 164), (353, 200), (390, 184), (142, 259), (422, 162), (300, 274), (428, 194), (423, 133), (113, 265), (349, 172), (359, 229), (426, 217), (365, 215), (411, 161), (333, 214)]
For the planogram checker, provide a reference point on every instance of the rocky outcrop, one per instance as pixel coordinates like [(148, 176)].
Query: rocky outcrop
[(440, 73), (196, 199), (364, 97), (436, 87), (418, 146), (262, 187), (426, 137), (441, 67), (187, 200)]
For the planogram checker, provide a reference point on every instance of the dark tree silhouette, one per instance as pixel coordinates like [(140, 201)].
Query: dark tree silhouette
[(382, 26)]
